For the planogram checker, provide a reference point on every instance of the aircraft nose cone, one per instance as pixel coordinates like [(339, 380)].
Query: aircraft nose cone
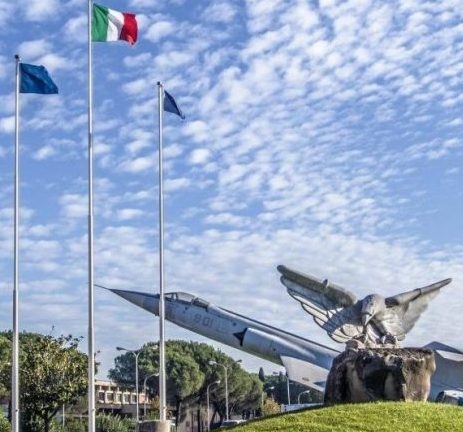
[(143, 300)]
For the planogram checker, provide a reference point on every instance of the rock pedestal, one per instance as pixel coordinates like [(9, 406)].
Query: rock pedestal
[(370, 374)]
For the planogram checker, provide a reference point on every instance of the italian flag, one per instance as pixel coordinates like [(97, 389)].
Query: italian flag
[(110, 25)]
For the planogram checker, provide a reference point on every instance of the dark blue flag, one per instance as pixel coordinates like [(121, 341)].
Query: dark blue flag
[(35, 79), (171, 106)]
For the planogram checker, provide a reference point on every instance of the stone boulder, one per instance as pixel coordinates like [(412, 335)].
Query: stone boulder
[(371, 374)]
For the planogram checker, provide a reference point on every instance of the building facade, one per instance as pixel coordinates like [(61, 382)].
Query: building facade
[(114, 398)]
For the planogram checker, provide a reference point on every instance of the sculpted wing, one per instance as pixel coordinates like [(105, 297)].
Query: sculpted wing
[(322, 290), (332, 307), (403, 310)]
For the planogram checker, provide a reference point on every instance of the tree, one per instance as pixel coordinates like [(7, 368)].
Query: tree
[(279, 390), (184, 378), (53, 372), (4, 424), (124, 365), (5, 365), (189, 372), (262, 374)]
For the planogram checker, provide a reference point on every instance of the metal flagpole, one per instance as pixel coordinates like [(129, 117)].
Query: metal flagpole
[(15, 354), (91, 331), (162, 360)]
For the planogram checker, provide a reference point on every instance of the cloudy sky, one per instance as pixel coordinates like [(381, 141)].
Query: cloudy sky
[(323, 135)]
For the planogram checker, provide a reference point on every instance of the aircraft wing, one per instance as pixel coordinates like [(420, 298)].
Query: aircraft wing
[(305, 373)]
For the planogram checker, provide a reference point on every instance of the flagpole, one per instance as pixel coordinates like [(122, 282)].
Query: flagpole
[(91, 331), (15, 354), (162, 359)]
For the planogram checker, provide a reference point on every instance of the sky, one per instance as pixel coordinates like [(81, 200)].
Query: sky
[(322, 135)]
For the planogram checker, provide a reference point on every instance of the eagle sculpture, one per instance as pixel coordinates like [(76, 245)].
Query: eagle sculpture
[(375, 320)]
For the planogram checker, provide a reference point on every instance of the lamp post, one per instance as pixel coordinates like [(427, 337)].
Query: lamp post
[(136, 353), (287, 388), (300, 394), (207, 402), (225, 368), (144, 390)]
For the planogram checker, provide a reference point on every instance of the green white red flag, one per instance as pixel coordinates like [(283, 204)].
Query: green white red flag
[(110, 25)]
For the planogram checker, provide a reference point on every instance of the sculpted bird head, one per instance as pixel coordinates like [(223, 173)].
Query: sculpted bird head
[(371, 304)]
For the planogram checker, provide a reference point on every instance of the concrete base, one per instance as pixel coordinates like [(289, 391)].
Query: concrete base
[(154, 426)]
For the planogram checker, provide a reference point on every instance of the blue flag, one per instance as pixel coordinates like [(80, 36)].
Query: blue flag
[(35, 79), (171, 106)]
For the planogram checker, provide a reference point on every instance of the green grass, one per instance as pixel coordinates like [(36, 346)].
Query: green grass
[(372, 417)]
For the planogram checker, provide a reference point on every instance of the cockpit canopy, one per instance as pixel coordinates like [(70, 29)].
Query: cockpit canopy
[(187, 298)]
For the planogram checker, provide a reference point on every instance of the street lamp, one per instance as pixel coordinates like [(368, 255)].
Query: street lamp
[(144, 389), (136, 353), (207, 402), (225, 368), (300, 394), (287, 388)]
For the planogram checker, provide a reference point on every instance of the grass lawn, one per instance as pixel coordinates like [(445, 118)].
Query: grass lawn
[(371, 417)]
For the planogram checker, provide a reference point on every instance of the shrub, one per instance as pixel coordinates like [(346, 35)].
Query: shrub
[(4, 424), (108, 423), (75, 425)]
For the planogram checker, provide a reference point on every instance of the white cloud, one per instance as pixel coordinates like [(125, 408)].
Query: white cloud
[(44, 152), (159, 30), (225, 219), (30, 50), (38, 10), (54, 62), (137, 60), (76, 27), (3, 67), (41, 230), (137, 86), (222, 12), (74, 206), (139, 164), (176, 184), (7, 124), (6, 10), (198, 130), (317, 135), (129, 214), (199, 156)]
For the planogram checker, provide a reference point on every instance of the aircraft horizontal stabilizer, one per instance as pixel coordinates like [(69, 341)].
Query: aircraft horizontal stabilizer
[(449, 368), (305, 373), (446, 351)]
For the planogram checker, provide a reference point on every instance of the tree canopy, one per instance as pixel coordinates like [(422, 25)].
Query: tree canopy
[(53, 372), (189, 372), (276, 387)]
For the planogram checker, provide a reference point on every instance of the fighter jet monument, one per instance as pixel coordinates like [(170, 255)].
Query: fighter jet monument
[(306, 361)]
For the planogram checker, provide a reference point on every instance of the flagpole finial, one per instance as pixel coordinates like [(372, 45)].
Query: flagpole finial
[(159, 83), (16, 56)]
